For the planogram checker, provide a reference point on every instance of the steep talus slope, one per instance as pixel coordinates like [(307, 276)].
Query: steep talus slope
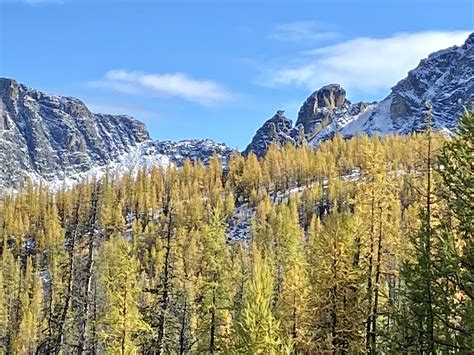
[(54, 138)]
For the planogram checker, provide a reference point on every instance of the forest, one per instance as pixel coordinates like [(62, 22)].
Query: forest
[(359, 246)]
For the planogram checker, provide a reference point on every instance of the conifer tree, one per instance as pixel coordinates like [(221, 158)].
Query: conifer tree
[(375, 204), (292, 307), (423, 296), (257, 329), (11, 288), (29, 329), (165, 257), (85, 291), (213, 314), (121, 321), (456, 262), (4, 321), (438, 276), (336, 285)]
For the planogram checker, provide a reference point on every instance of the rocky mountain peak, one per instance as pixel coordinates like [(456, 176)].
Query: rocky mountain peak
[(330, 96), (276, 129), (469, 41), (445, 78), (321, 105), (8, 86)]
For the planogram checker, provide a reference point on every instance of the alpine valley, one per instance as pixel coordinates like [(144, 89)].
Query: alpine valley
[(349, 231)]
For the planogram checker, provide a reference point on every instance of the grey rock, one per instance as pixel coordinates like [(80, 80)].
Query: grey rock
[(321, 105), (445, 79), (194, 149), (277, 129), (53, 138)]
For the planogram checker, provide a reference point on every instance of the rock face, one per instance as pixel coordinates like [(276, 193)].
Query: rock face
[(319, 118), (321, 105), (326, 110), (276, 129), (192, 149), (445, 78), (53, 138)]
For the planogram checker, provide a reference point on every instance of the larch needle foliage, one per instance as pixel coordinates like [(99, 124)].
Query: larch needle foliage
[(357, 246)]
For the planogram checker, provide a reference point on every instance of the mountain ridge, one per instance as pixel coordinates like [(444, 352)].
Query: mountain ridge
[(58, 140), (445, 79), (54, 139)]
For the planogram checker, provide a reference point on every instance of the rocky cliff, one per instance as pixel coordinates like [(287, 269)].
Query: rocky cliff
[(54, 139), (277, 129)]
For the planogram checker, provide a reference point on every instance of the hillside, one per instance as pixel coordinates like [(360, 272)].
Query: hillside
[(308, 251)]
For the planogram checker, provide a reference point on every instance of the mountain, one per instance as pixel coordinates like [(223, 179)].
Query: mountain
[(58, 140), (276, 129), (326, 110), (445, 78)]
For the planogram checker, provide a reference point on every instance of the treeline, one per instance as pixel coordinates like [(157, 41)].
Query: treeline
[(359, 246)]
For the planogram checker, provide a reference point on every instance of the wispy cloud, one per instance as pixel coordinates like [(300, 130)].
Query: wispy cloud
[(302, 31), (204, 92), (364, 64)]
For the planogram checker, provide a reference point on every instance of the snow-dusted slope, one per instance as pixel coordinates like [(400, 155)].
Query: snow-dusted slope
[(57, 140), (445, 78), (327, 111)]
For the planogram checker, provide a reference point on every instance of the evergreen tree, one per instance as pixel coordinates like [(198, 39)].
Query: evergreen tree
[(29, 330), (213, 294), (456, 231), (257, 329), (292, 308), (336, 285), (121, 320), (423, 291)]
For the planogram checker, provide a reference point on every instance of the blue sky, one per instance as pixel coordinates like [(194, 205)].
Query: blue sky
[(218, 69)]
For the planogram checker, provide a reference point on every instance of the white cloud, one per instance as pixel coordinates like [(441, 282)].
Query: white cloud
[(362, 64), (204, 92), (302, 31)]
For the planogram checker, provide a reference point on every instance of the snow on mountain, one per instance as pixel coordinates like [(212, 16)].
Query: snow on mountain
[(327, 111), (445, 78), (57, 140)]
